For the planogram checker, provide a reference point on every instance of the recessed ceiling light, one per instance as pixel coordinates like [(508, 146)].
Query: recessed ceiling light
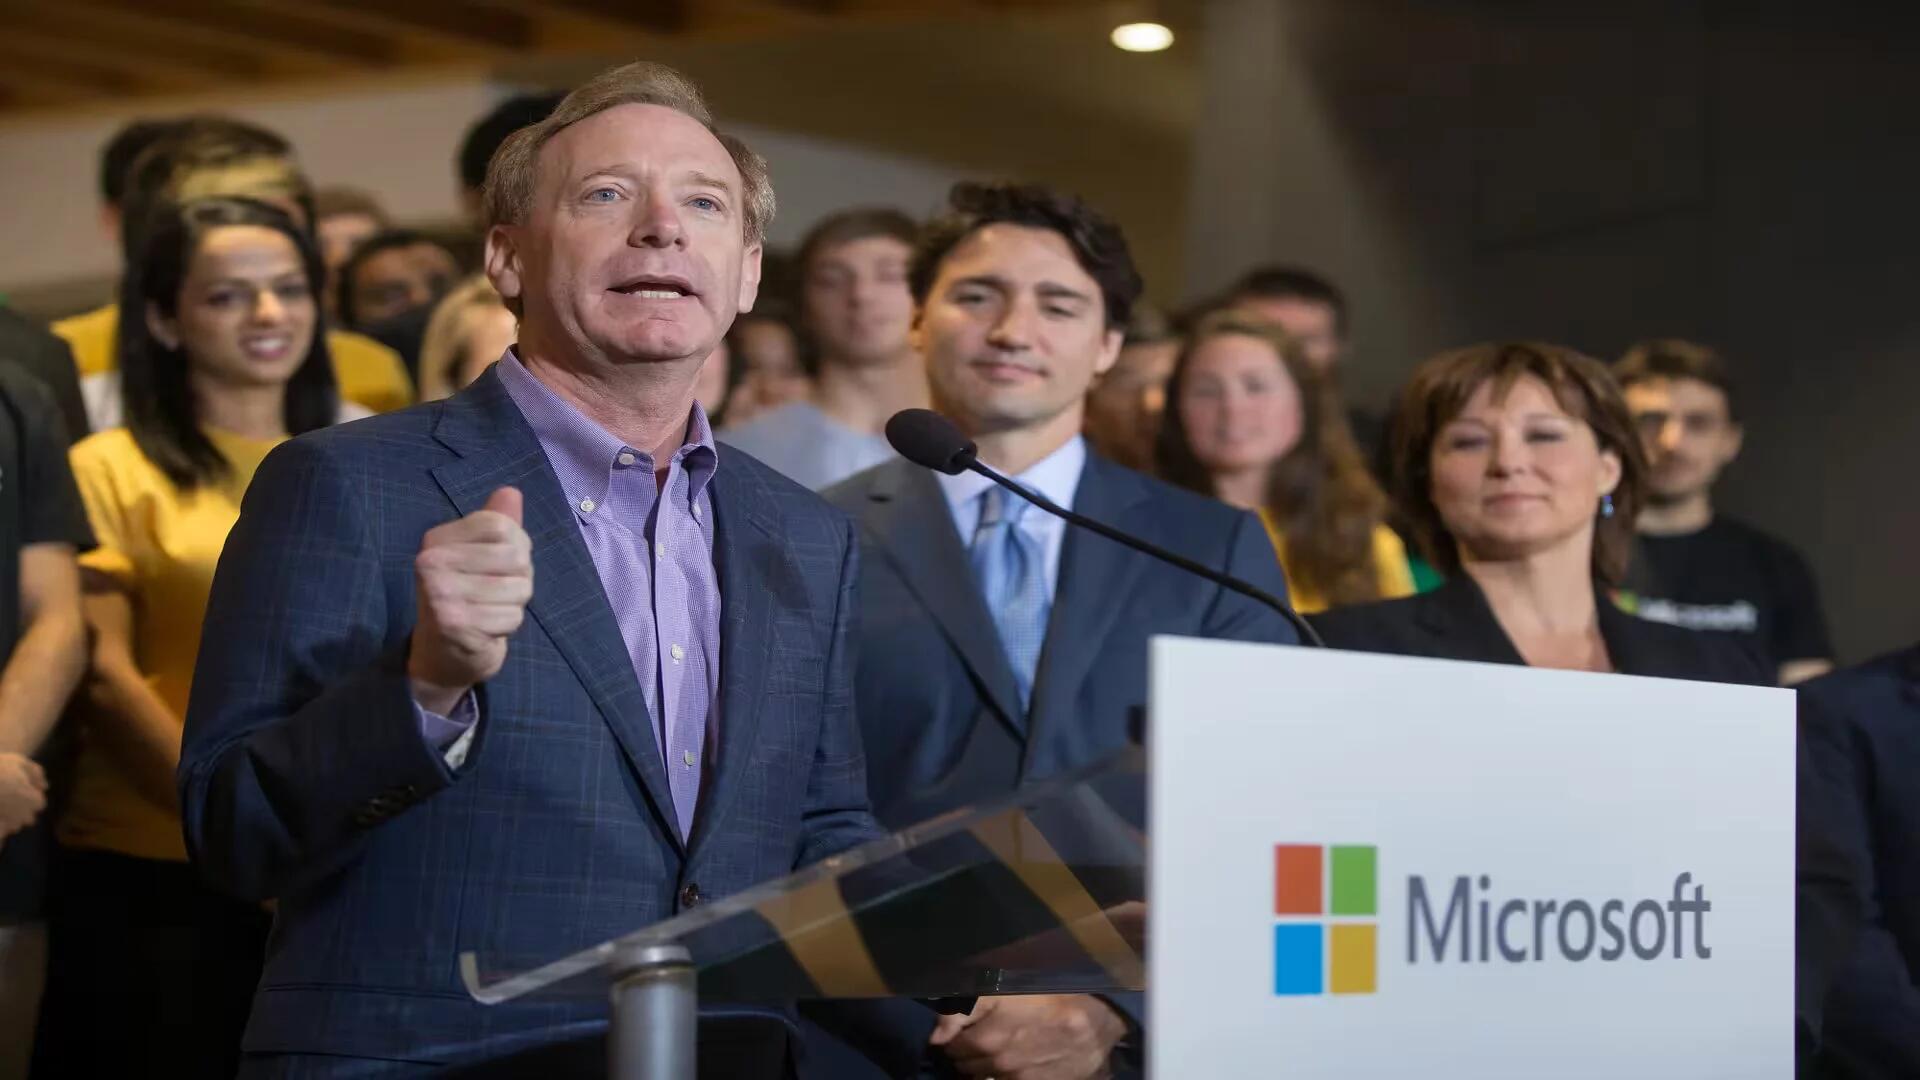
[(1142, 37)]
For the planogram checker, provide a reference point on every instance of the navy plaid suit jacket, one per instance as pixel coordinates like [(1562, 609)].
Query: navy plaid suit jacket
[(304, 777)]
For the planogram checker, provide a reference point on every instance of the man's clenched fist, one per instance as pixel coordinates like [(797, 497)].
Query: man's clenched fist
[(474, 577)]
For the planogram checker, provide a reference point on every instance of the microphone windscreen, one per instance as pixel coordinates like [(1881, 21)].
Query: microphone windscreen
[(928, 439)]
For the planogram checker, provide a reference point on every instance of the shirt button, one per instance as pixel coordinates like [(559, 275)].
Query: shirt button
[(687, 756), (660, 549), (679, 653), (587, 505), (624, 458), (696, 510)]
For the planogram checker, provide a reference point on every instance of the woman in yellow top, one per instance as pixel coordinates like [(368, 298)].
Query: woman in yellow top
[(225, 362), (1250, 421)]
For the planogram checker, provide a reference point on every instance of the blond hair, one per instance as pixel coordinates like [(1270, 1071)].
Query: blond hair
[(445, 343), (513, 173)]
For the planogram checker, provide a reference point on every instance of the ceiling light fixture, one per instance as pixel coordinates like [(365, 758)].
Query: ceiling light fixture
[(1142, 37)]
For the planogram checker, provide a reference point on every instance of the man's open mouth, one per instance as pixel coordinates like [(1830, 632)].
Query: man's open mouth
[(655, 288)]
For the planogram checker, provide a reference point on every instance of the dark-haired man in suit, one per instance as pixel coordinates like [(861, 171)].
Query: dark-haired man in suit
[(997, 647)]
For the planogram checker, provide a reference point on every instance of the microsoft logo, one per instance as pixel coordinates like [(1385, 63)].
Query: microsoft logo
[(1326, 901)]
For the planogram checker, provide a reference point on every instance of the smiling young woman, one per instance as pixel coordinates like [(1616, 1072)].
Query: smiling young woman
[(227, 361)]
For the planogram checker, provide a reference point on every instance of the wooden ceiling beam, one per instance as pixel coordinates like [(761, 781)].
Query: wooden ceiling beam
[(302, 43), (110, 39), (446, 24), (92, 62)]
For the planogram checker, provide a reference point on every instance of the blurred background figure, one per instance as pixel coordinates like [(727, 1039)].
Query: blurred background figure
[(1252, 423), (486, 135), (344, 218), (43, 650), (856, 311), (1694, 567), (389, 285), (1124, 406), (227, 363), (208, 156), (1519, 468), (766, 352), (116, 162), (468, 331), (1313, 312)]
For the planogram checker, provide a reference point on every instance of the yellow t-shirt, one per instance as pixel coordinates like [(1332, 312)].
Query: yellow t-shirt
[(161, 545), (1389, 562), (367, 372)]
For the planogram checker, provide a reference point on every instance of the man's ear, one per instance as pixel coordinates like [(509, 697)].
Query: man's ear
[(164, 328), (750, 266), (916, 330), (503, 262), (1109, 352)]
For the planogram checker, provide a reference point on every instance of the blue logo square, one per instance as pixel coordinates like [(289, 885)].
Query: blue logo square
[(1298, 965)]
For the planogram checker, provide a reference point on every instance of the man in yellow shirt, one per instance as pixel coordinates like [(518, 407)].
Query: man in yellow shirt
[(205, 156)]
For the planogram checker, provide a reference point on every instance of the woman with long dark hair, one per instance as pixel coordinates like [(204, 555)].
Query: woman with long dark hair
[(1250, 422), (224, 357)]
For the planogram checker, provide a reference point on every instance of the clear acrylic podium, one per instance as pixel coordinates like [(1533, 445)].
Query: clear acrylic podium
[(1040, 892)]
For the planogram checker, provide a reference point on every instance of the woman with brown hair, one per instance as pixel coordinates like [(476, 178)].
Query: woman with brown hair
[(1518, 466), (1253, 424)]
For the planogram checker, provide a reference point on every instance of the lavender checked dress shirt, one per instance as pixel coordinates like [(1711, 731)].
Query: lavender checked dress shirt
[(652, 545)]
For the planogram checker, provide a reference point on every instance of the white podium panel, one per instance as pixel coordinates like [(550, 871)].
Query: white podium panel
[(1367, 866)]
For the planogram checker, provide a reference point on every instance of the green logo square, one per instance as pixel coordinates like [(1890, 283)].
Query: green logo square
[(1355, 891)]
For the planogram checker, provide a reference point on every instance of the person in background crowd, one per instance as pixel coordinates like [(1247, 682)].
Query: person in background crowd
[(396, 272), (28, 347), (481, 141), (1695, 567), (43, 650), (856, 311), (766, 353), (1125, 404), (1520, 471), (1313, 311), (1863, 724), (996, 647), (1253, 424), (467, 332), (345, 218), (226, 363), (212, 156), (117, 158)]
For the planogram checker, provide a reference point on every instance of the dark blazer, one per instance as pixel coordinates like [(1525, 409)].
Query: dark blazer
[(1865, 725), (1455, 622), (304, 776), (939, 709)]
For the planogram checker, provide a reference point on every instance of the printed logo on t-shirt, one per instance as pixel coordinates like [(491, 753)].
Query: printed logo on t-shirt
[(1741, 616)]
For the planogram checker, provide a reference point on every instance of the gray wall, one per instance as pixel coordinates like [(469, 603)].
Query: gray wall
[(1744, 173)]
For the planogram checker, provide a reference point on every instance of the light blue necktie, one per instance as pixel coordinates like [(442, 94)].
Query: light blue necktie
[(1011, 568)]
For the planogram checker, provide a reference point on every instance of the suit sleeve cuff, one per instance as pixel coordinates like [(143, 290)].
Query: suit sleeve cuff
[(451, 735)]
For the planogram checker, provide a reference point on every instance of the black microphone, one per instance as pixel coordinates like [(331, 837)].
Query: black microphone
[(928, 439)]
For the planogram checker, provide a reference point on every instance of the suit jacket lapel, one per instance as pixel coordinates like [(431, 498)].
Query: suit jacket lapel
[(497, 447), (1458, 614), (746, 551), (910, 517), (1096, 578)]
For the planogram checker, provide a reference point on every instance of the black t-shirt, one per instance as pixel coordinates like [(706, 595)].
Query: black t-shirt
[(1735, 580), (39, 504)]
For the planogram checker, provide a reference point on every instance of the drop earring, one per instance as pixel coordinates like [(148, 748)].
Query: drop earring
[(1606, 506)]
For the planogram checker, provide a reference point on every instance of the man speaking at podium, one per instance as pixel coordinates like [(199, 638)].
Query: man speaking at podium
[(996, 646), (539, 665)]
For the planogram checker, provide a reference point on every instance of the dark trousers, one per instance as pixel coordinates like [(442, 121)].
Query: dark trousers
[(149, 972)]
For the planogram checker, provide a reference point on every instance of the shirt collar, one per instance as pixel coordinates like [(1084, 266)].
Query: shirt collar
[(1055, 477), (583, 453)]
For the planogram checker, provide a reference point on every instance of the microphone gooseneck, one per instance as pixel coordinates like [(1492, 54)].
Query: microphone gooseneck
[(930, 440)]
